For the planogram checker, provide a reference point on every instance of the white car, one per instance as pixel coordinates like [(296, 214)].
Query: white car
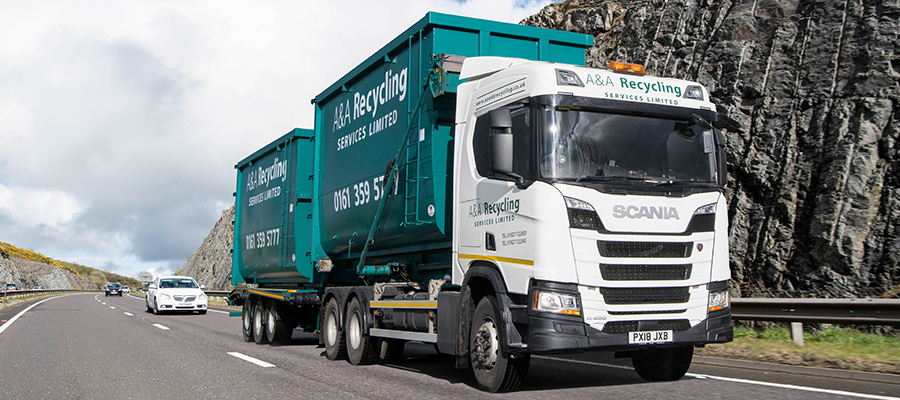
[(175, 293)]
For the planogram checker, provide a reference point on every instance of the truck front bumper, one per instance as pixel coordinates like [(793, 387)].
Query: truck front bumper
[(550, 334)]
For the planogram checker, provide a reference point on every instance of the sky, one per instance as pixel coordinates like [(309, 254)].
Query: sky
[(121, 121)]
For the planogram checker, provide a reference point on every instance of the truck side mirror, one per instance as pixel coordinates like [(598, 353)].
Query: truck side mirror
[(721, 158), (502, 145)]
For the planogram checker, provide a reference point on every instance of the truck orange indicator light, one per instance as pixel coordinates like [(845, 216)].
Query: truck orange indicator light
[(626, 67)]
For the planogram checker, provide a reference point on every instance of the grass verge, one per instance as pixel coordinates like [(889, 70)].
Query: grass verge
[(838, 348)]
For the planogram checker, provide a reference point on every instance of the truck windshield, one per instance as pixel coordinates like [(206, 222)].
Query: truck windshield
[(580, 145)]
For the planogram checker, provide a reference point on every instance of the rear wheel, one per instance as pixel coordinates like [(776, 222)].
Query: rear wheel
[(494, 370), (332, 333), (666, 364), (276, 332), (259, 316), (360, 349), (247, 321)]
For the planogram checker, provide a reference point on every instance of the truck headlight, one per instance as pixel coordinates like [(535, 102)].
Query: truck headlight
[(582, 215), (719, 300), (707, 209), (556, 302)]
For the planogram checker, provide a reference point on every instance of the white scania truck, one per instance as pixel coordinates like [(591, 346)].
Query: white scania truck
[(472, 186)]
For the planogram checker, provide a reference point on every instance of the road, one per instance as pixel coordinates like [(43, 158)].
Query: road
[(87, 346)]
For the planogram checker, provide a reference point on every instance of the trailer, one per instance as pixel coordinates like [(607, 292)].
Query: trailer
[(473, 185)]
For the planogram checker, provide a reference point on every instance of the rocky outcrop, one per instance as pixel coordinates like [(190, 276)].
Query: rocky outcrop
[(808, 94), (28, 274), (210, 265)]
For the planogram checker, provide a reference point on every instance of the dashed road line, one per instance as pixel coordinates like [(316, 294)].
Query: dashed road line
[(247, 358), (163, 327)]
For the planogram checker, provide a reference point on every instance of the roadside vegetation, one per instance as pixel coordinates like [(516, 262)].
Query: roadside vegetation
[(838, 348)]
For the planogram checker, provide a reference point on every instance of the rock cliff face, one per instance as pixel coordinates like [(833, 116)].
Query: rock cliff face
[(808, 94), (210, 265), (29, 274)]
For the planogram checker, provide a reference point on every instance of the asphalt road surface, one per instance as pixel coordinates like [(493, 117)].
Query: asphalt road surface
[(87, 346)]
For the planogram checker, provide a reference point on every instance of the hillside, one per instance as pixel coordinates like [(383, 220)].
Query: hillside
[(30, 269)]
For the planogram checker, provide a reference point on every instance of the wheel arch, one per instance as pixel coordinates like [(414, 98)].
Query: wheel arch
[(482, 279)]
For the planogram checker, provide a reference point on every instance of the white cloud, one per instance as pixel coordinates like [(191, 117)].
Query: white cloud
[(120, 122), (31, 207)]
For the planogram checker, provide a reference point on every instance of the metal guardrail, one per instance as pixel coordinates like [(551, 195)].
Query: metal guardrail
[(827, 311), (14, 294)]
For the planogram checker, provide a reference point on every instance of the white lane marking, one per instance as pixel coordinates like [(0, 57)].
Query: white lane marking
[(251, 359), (112, 307), (13, 319), (778, 385), (163, 327), (786, 386), (218, 311), (129, 314)]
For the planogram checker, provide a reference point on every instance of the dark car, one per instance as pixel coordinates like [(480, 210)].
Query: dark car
[(114, 289), (12, 286)]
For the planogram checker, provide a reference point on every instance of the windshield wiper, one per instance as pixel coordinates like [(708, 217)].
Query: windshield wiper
[(611, 178)]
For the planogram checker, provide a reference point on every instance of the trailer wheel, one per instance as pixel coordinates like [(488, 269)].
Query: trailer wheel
[(667, 364), (259, 323), (360, 347), (246, 321), (333, 335), (494, 371), (275, 329)]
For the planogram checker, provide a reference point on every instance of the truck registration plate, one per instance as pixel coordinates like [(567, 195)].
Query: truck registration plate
[(649, 337)]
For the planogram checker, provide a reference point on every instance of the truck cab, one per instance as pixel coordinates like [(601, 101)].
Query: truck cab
[(596, 196)]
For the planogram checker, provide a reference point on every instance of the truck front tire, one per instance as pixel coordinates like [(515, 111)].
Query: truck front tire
[(332, 333), (495, 370), (666, 364)]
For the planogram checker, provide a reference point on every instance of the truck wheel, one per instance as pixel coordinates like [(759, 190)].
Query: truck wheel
[(360, 348), (247, 321), (334, 336), (275, 329), (259, 323), (494, 371), (667, 364)]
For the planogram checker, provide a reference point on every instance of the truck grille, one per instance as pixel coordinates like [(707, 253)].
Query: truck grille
[(645, 249), (665, 295), (181, 297), (645, 272), (616, 327)]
